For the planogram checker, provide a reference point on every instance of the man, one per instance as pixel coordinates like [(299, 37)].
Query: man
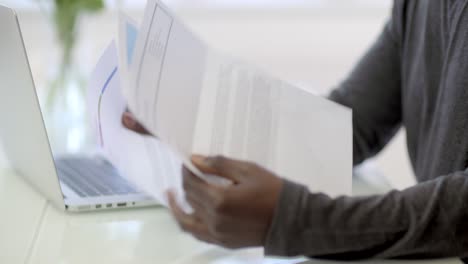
[(415, 75)]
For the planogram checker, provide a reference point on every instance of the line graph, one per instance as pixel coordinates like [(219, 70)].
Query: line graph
[(103, 90)]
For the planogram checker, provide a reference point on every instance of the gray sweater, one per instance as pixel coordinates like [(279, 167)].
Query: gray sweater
[(416, 76)]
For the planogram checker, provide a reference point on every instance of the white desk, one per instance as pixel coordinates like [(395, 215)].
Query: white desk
[(34, 232), (21, 212)]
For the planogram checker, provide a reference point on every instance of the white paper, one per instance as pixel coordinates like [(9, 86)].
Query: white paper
[(127, 37), (143, 160), (167, 78), (200, 101), (247, 115)]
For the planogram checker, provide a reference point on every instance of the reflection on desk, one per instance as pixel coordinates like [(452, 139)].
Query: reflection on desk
[(130, 236), (21, 210), (35, 232)]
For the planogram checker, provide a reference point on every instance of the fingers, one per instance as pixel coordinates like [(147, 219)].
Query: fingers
[(208, 201), (188, 223), (199, 194), (199, 208), (129, 121), (221, 166)]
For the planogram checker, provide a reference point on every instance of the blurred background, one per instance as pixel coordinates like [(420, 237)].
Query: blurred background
[(311, 43)]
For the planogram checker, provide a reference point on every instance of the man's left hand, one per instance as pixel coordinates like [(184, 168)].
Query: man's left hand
[(234, 216)]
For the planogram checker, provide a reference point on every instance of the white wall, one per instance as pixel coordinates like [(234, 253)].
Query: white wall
[(314, 48)]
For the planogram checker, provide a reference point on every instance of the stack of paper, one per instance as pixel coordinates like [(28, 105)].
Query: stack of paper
[(197, 100), (145, 161)]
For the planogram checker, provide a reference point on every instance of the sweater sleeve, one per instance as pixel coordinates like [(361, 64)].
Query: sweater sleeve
[(373, 90), (427, 220)]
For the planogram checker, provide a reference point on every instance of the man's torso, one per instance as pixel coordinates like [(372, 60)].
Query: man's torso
[(434, 81)]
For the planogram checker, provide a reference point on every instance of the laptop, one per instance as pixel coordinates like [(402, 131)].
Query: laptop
[(71, 183)]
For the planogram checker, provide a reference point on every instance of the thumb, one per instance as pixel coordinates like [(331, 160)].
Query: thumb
[(219, 166)]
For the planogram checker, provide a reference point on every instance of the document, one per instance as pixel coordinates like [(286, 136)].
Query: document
[(199, 100), (127, 36), (145, 161)]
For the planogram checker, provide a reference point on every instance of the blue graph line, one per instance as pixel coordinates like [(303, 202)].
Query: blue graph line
[(108, 80), (103, 90)]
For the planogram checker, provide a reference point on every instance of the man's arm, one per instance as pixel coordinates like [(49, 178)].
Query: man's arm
[(373, 90), (260, 209), (428, 220)]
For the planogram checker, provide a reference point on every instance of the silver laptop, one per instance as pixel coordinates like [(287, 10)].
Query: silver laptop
[(71, 183)]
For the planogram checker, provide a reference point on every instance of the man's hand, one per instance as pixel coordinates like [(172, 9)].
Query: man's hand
[(129, 121), (234, 216)]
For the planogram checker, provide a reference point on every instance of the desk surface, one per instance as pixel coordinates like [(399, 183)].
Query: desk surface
[(35, 232), (21, 213)]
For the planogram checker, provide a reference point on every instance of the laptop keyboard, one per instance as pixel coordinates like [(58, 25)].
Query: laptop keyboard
[(92, 177)]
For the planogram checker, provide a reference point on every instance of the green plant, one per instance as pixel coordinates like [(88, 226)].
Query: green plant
[(65, 17)]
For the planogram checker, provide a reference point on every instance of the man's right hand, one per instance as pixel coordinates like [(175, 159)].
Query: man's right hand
[(129, 121)]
